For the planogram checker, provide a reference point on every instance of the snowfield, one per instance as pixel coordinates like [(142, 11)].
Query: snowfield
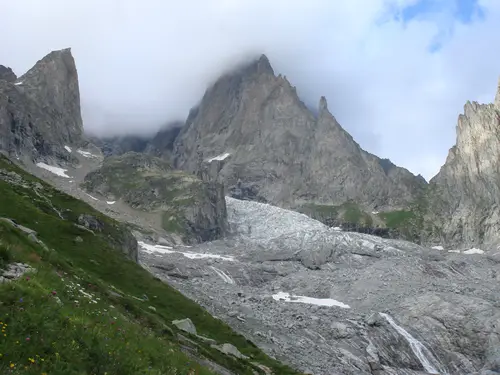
[(55, 170)]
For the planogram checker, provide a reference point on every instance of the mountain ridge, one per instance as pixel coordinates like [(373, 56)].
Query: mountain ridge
[(259, 119)]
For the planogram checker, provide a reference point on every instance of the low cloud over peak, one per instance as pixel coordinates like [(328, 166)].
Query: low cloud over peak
[(396, 73)]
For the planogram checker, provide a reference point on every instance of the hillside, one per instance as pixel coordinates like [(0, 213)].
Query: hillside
[(83, 307), (182, 203)]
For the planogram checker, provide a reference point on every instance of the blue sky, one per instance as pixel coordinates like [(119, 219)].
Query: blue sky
[(446, 14), (464, 11)]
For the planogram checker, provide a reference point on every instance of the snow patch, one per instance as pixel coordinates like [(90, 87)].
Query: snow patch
[(56, 170), (438, 247), (155, 248), (337, 228), (375, 212), (92, 197), (219, 157), (309, 300), (224, 276), (454, 251), (474, 251), (86, 154), (151, 249), (111, 202), (18, 83), (67, 148)]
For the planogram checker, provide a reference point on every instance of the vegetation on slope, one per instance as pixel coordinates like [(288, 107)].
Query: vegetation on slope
[(88, 309), (348, 212), (184, 203)]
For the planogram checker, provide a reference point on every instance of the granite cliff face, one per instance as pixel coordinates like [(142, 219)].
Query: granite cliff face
[(40, 111), (463, 200), (278, 151)]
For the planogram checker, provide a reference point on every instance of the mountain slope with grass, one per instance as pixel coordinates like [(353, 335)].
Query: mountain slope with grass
[(80, 303), (182, 204)]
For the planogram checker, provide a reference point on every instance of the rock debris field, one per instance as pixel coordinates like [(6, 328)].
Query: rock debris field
[(333, 302)]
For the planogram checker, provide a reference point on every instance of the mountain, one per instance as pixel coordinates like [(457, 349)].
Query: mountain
[(40, 111), (461, 205), (279, 151), (94, 287)]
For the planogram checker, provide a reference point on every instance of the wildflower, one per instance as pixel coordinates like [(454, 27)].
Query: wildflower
[(28, 339), (11, 365), (31, 360), (54, 292)]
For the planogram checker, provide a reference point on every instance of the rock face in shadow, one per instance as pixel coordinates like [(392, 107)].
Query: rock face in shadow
[(192, 207), (280, 151), (462, 205), (40, 111)]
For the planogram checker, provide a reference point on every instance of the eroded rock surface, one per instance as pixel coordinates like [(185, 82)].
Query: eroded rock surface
[(280, 151), (40, 111)]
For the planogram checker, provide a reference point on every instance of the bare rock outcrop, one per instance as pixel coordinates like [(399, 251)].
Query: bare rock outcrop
[(180, 203), (40, 111), (463, 199), (7, 74)]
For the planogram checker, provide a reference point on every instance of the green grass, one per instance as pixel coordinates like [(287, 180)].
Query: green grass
[(118, 333), (397, 219), (348, 212)]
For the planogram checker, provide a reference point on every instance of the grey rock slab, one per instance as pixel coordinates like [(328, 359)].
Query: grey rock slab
[(185, 325)]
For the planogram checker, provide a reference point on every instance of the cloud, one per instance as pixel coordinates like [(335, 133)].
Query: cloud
[(396, 72)]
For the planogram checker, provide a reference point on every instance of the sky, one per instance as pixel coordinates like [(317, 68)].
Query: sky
[(396, 73)]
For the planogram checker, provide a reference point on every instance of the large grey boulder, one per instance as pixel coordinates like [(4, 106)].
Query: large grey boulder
[(185, 325)]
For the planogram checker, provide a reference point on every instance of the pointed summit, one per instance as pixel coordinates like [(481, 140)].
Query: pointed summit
[(323, 104), (41, 114), (7, 74), (261, 65), (53, 80)]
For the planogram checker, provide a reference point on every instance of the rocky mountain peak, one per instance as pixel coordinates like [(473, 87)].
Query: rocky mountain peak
[(279, 150), (7, 74), (40, 114), (262, 65), (465, 200), (323, 104)]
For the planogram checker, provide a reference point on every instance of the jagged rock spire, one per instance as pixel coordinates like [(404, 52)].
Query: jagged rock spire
[(323, 104)]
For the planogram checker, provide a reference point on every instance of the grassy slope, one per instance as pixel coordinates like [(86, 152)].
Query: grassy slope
[(100, 326)]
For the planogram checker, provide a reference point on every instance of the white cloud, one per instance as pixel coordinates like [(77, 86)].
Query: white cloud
[(142, 63)]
